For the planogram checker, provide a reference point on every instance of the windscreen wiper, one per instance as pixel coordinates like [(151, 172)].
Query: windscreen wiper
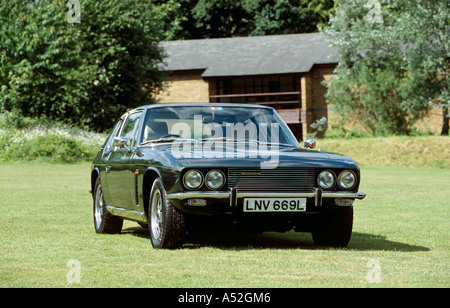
[(229, 139), (248, 140), (161, 140)]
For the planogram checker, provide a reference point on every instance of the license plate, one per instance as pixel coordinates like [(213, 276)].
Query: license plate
[(274, 204)]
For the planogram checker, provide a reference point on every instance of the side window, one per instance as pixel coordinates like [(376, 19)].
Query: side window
[(114, 132), (131, 126)]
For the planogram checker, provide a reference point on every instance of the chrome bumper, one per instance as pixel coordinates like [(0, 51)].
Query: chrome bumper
[(234, 195)]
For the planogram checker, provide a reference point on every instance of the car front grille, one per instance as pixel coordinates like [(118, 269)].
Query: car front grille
[(271, 180)]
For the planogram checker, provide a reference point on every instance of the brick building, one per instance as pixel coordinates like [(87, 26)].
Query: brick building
[(282, 71)]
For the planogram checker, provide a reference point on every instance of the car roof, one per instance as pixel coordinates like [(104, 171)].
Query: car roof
[(206, 105), (197, 105)]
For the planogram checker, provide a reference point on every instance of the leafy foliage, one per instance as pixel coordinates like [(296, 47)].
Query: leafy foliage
[(27, 139), (195, 19), (320, 125), (394, 61), (85, 73)]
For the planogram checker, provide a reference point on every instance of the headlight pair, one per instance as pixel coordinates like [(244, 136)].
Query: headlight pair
[(345, 180), (214, 179)]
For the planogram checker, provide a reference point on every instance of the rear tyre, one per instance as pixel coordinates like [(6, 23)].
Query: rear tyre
[(167, 226), (334, 228), (104, 221)]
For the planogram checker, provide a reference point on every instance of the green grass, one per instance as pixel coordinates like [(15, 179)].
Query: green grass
[(46, 220), (395, 151)]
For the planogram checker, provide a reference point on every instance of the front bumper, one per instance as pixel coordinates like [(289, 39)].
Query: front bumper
[(234, 195)]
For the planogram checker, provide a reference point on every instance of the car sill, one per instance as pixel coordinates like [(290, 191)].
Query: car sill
[(127, 214)]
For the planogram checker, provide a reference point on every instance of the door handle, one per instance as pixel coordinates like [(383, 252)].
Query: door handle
[(108, 169)]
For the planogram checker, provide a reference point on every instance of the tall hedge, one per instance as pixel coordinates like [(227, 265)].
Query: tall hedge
[(83, 73)]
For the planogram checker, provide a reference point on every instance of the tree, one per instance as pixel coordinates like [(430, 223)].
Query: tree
[(428, 52), (85, 73), (197, 19), (394, 61), (121, 47), (39, 60), (318, 13), (221, 18)]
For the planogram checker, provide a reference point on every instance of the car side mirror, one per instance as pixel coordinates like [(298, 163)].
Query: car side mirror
[(122, 142), (310, 143)]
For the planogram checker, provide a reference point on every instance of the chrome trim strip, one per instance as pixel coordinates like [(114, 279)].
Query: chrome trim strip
[(337, 194), (226, 195), (199, 194), (344, 194), (128, 214)]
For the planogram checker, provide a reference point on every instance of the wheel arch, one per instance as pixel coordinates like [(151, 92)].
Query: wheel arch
[(150, 176), (94, 175)]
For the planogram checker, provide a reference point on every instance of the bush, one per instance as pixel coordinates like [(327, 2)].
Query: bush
[(51, 148), (338, 132), (45, 140)]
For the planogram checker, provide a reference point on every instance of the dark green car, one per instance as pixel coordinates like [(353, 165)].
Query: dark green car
[(182, 168)]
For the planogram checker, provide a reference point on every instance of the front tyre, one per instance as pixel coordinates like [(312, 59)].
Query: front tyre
[(104, 221), (334, 228), (167, 226)]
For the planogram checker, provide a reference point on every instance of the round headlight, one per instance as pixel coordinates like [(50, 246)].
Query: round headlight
[(346, 179), (215, 179), (193, 179), (326, 179)]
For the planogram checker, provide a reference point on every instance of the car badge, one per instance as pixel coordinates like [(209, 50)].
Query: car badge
[(251, 173)]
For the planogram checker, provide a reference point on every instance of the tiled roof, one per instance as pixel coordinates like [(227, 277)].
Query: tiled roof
[(244, 56)]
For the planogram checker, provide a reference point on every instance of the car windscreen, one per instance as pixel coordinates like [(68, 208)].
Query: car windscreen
[(199, 122)]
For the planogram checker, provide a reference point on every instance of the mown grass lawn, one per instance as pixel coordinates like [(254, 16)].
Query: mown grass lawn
[(400, 239)]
